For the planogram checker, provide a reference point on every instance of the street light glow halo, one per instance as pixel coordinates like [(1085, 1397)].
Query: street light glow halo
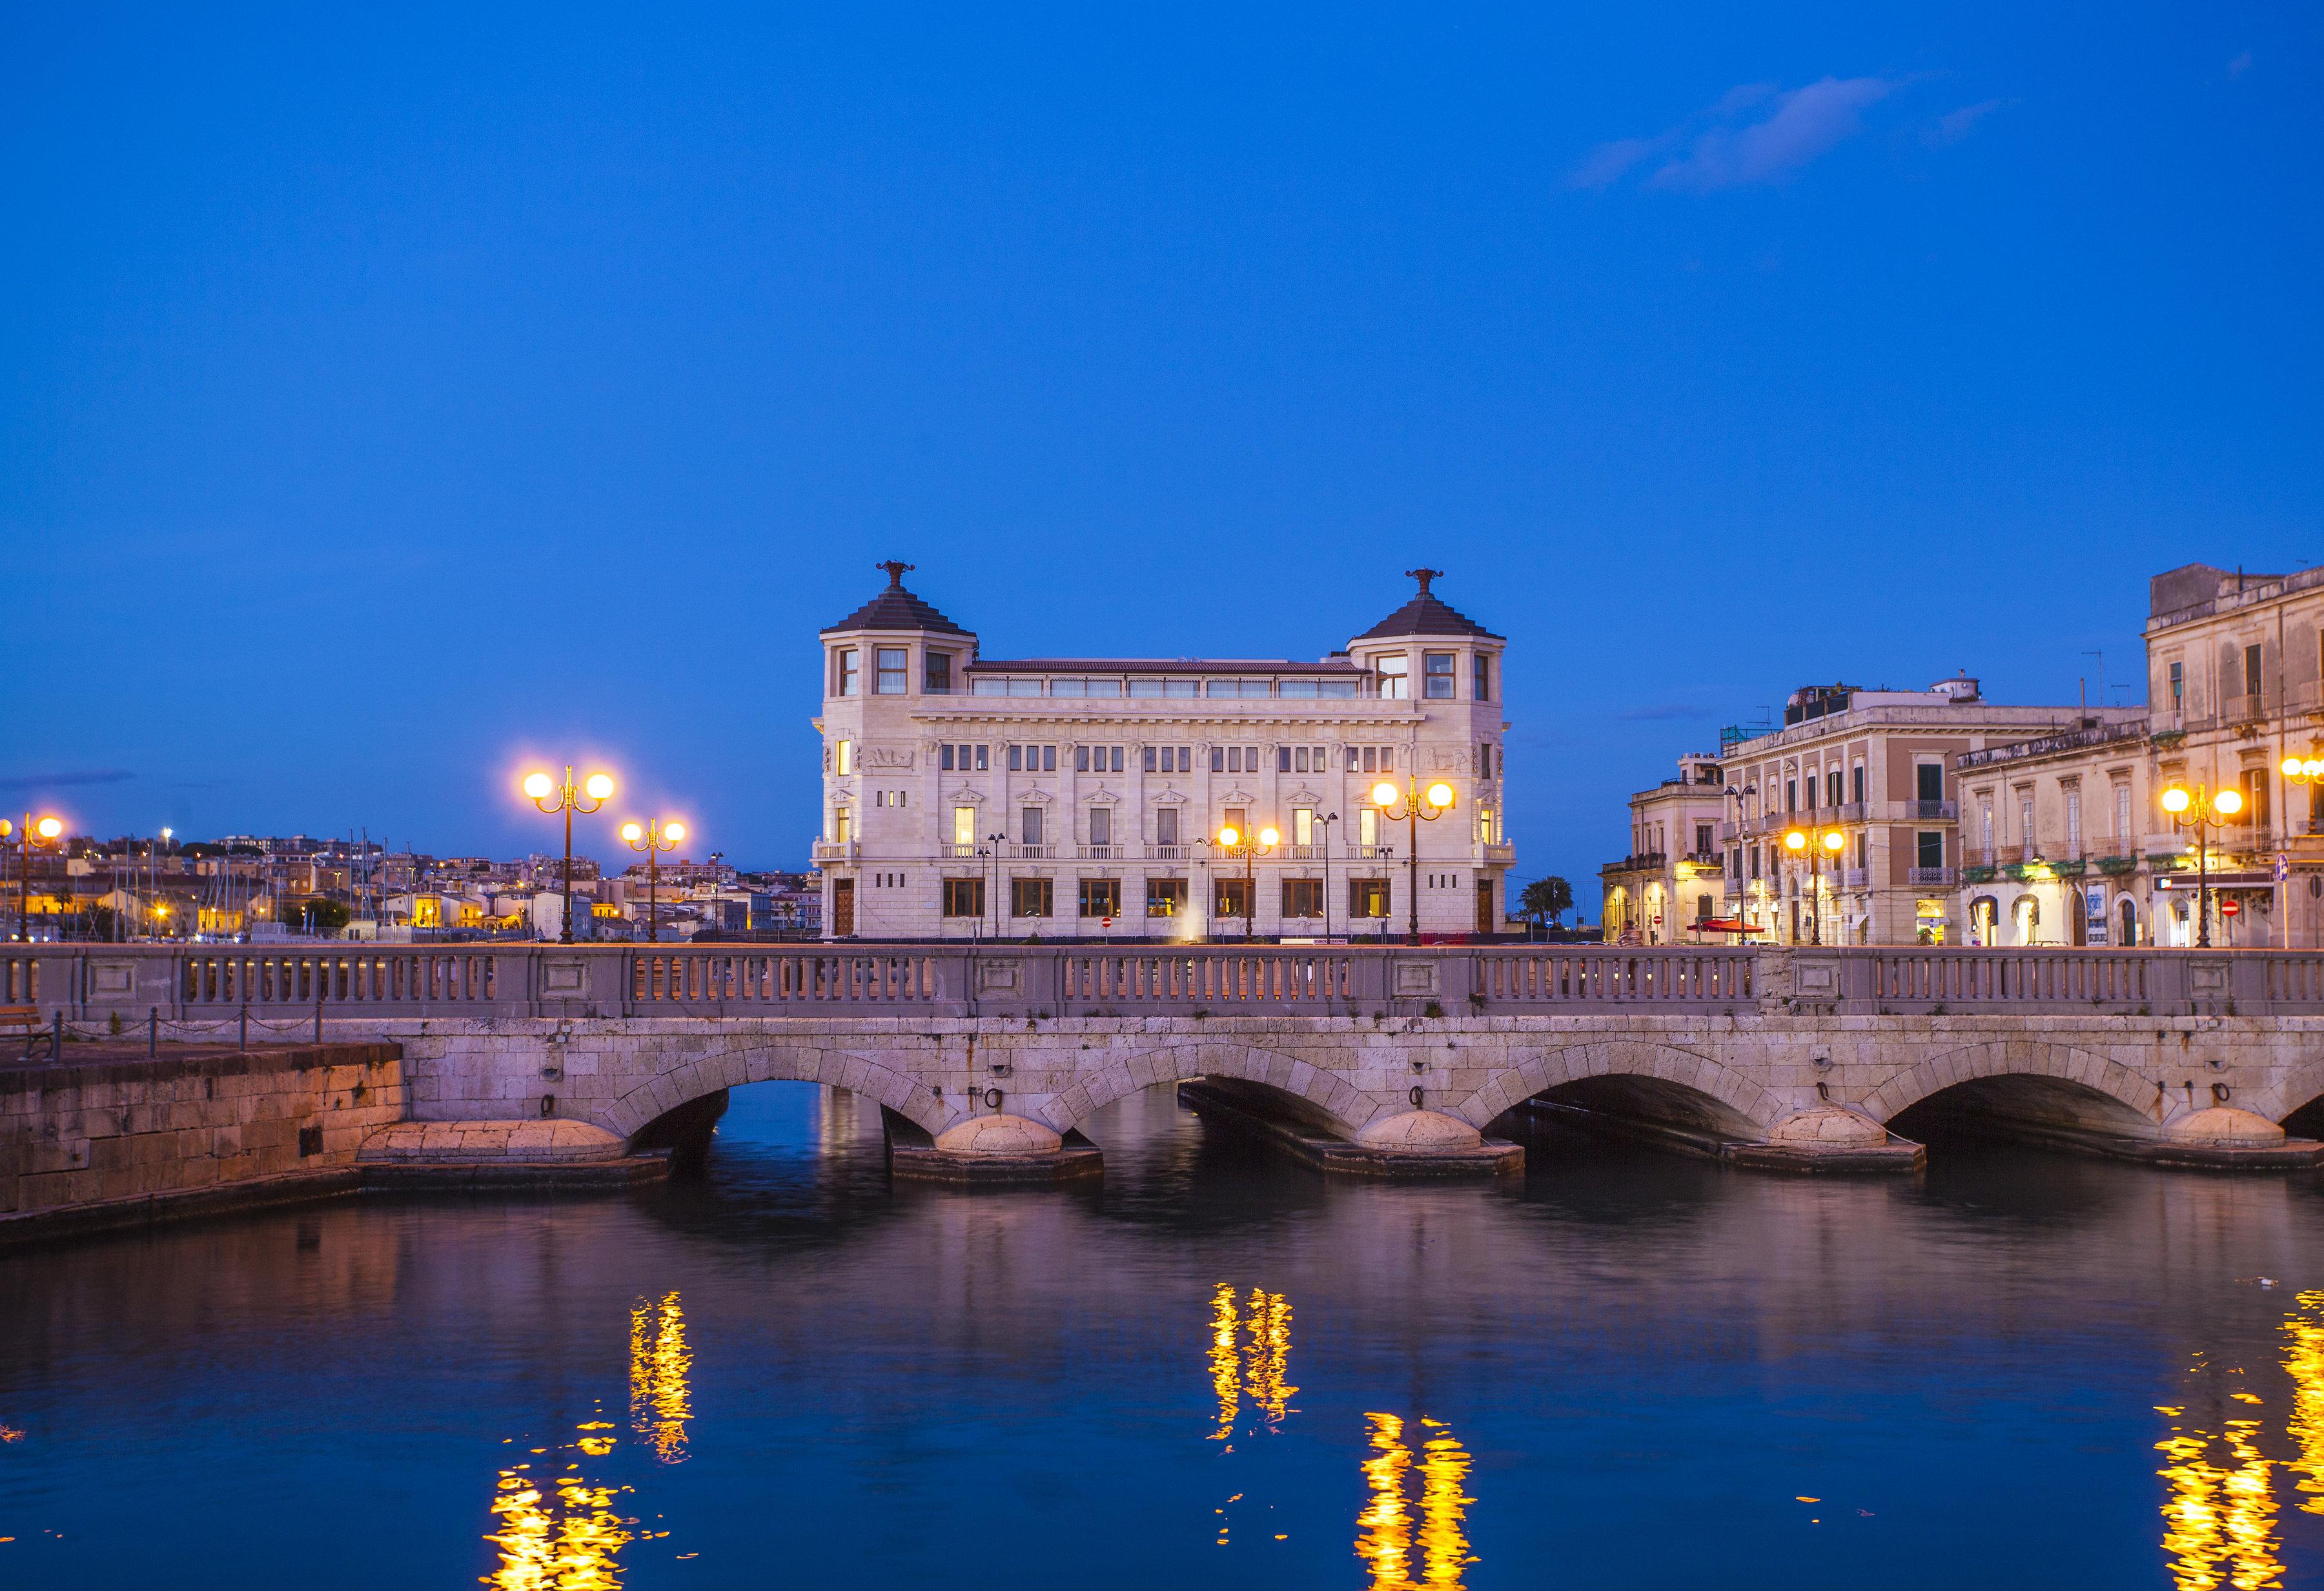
[(674, 831), (1439, 796), (538, 785), (2291, 766), (1834, 840), (599, 787), (630, 832), (1383, 793), (1268, 836), (1229, 836), (2174, 799), (50, 828), (2227, 802), (1795, 841)]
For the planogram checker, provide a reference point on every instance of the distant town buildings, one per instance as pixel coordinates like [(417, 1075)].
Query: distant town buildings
[(1937, 817)]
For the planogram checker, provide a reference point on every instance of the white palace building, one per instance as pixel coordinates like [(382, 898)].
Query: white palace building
[(973, 797)]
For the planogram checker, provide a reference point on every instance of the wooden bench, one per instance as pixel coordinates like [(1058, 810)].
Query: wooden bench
[(23, 1020)]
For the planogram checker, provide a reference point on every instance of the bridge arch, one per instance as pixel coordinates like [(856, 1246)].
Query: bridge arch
[(734, 1063), (1325, 1089), (2036, 1059), (1722, 1093), (2299, 1094)]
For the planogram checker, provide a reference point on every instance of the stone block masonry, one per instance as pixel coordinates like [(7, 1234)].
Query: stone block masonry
[(115, 1138)]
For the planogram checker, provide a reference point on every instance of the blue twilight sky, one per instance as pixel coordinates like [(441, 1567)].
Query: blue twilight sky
[(385, 397)]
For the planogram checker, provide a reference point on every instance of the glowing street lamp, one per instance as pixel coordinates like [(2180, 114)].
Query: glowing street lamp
[(1815, 845), (2205, 809), (550, 796), (653, 838), (35, 831), (1234, 841), (1431, 804)]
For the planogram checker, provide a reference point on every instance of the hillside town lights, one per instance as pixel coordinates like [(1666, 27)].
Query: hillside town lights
[(2205, 809), (1234, 841), (597, 788), (1438, 799), (1816, 846), (653, 839), (35, 831)]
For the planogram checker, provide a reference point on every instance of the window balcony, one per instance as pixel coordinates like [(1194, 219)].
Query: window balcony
[(1730, 831), (1855, 879), (1500, 854), (1300, 852), (1853, 812), (834, 851), (1017, 852), (956, 852), (1372, 852), (1102, 852), (1167, 853), (1924, 876), (1932, 812)]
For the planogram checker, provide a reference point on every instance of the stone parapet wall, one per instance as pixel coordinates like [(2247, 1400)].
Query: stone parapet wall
[(112, 1129)]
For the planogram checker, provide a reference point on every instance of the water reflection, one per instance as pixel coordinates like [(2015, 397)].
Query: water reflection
[(560, 1533), (1385, 1537), (2303, 1361), (659, 1364), (1251, 1356)]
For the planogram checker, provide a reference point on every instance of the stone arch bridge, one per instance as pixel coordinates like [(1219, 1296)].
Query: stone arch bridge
[(1389, 1058)]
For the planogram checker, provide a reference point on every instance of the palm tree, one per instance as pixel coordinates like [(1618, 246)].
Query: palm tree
[(1550, 897)]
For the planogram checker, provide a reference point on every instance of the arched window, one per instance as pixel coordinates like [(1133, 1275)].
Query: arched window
[(2127, 914), (1984, 918), (2025, 913)]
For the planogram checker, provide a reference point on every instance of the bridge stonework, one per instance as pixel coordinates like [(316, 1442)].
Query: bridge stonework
[(2199, 1058)]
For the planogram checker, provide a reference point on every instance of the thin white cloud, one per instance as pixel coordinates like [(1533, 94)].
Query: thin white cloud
[(2239, 66), (1754, 132), (1955, 125)]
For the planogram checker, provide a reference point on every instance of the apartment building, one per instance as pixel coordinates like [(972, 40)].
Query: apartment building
[(1673, 880), (966, 796), (1868, 777), (2056, 833)]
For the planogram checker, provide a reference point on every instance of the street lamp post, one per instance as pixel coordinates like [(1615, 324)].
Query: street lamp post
[(1816, 845), (2204, 809), (1438, 800), (1234, 841), (597, 788), (1742, 896), (654, 838), (1324, 820), (33, 831)]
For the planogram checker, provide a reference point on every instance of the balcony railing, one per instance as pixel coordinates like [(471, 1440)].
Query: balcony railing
[(1924, 876), (1932, 812), (1371, 852), (834, 851), (1500, 853), (958, 852), (1855, 879), (1102, 852), (1730, 830), (1168, 854), (1020, 852)]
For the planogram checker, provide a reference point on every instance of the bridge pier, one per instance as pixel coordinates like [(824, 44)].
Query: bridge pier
[(995, 1151), (1412, 1143)]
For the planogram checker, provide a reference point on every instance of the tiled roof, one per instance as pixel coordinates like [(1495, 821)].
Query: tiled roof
[(1424, 615), (896, 608)]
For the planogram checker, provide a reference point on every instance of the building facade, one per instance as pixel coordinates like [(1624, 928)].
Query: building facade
[(1876, 769), (1674, 882), (966, 796), (2057, 834)]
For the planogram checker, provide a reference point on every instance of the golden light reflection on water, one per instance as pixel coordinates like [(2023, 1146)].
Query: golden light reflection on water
[(2218, 1522), (1251, 1356), (560, 1533), (2303, 1361), (659, 1366), (1386, 1535)]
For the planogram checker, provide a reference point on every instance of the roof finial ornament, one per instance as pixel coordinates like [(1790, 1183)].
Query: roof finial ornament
[(897, 569), (1424, 576)]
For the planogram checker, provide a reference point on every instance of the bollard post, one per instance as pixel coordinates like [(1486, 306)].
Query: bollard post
[(246, 1026), (56, 1036), (318, 1022), (152, 1031)]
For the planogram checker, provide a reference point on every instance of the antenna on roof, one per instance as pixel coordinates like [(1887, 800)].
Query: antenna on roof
[(897, 569), (1424, 576)]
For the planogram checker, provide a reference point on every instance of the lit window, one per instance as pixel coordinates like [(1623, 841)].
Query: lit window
[(964, 825), (889, 666), (843, 758), (1391, 672)]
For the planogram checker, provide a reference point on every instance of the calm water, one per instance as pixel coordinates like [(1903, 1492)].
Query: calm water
[(1217, 1369)]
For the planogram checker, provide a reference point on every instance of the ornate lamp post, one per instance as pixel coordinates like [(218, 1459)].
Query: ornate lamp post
[(2205, 809), (35, 831), (1438, 799), (551, 797), (1816, 845), (1234, 841), (653, 838)]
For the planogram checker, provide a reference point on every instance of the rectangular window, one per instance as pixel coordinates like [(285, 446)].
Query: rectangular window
[(1303, 825), (889, 668), (1153, 754), (2178, 686), (2025, 825), (1081, 758), (1016, 759), (1303, 897), (963, 897), (2122, 818), (1218, 759), (842, 675), (1368, 825), (936, 673), (1488, 834), (1754, 861), (980, 759), (1702, 839), (1929, 782), (943, 753), (1237, 818), (1857, 790), (1230, 895), (1387, 758), (1791, 794), (1832, 780), (1985, 828), (2073, 822), (842, 824), (1283, 759), (1392, 681), (1114, 762), (2251, 675), (1437, 670), (1929, 848), (1101, 825), (1234, 759), (1166, 825), (1028, 897), (1029, 820), (1372, 759), (1101, 897), (964, 825), (1164, 897), (1049, 759), (844, 758), (1368, 897), (1484, 677), (2256, 802), (1863, 851)]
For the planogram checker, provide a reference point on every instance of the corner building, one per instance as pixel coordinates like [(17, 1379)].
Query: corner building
[(1082, 797)]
